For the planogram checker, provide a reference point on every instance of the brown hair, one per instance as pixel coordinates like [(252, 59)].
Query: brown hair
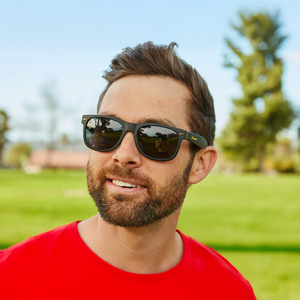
[(161, 60)]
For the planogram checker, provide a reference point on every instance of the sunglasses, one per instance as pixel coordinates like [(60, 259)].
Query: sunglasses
[(154, 141)]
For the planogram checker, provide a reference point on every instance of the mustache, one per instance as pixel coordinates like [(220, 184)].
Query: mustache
[(123, 173)]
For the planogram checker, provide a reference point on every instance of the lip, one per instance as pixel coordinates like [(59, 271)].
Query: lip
[(124, 190), (125, 180)]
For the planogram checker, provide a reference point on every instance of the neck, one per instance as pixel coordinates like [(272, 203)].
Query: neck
[(145, 250)]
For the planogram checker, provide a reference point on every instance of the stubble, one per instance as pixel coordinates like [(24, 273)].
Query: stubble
[(142, 209)]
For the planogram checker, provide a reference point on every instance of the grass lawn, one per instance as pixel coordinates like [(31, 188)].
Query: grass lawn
[(252, 220)]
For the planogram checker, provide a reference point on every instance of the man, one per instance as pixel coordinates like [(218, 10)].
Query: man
[(131, 249)]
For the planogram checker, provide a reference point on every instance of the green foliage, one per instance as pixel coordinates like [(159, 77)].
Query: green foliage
[(263, 111), (3, 129), (252, 220), (3, 125), (284, 158), (18, 154)]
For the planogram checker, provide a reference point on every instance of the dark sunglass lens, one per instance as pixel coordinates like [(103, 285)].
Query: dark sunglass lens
[(158, 142), (103, 133)]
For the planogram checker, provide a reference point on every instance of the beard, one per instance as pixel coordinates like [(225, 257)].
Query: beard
[(140, 210)]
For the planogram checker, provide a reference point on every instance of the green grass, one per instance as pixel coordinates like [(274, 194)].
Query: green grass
[(244, 211), (30, 204), (252, 220)]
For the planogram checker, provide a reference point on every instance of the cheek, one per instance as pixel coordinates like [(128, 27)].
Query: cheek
[(162, 172), (98, 159)]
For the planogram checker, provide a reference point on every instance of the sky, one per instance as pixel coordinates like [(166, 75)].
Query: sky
[(68, 44)]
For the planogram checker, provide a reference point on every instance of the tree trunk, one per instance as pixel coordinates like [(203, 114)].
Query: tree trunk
[(262, 152), (1, 154)]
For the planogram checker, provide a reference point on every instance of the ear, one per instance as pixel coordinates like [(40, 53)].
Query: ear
[(204, 161)]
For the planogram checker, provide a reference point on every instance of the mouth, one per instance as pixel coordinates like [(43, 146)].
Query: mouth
[(122, 186)]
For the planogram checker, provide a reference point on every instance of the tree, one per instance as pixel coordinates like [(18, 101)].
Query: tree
[(52, 107), (3, 129), (262, 111), (18, 154)]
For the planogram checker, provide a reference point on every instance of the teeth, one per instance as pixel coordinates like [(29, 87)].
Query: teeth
[(126, 184)]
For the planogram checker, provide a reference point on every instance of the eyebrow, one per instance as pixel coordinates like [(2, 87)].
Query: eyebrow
[(145, 120)]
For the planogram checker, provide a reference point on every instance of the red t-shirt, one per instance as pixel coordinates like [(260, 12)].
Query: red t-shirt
[(58, 265)]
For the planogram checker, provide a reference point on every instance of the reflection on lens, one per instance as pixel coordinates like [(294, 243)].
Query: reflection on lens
[(103, 133), (158, 142)]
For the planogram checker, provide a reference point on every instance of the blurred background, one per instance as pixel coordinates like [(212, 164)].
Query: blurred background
[(52, 57)]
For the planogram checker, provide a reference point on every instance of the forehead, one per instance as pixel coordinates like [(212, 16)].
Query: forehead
[(134, 98)]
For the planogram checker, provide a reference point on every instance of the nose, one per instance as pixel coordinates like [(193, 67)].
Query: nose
[(127, 154)]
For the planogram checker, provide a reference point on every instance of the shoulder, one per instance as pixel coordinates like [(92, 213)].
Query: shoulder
[(33, 248), (211, 257), (216, 269), (26, 262)]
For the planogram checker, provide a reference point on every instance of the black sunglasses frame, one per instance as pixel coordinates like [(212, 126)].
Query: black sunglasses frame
[(194, 138)]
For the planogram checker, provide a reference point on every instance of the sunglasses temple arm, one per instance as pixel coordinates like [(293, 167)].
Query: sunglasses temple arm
[(196, 139)]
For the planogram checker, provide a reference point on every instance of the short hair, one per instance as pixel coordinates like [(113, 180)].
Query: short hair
[(161, 60)]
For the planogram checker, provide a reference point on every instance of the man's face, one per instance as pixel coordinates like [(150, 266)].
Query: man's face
[(129, 189)]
